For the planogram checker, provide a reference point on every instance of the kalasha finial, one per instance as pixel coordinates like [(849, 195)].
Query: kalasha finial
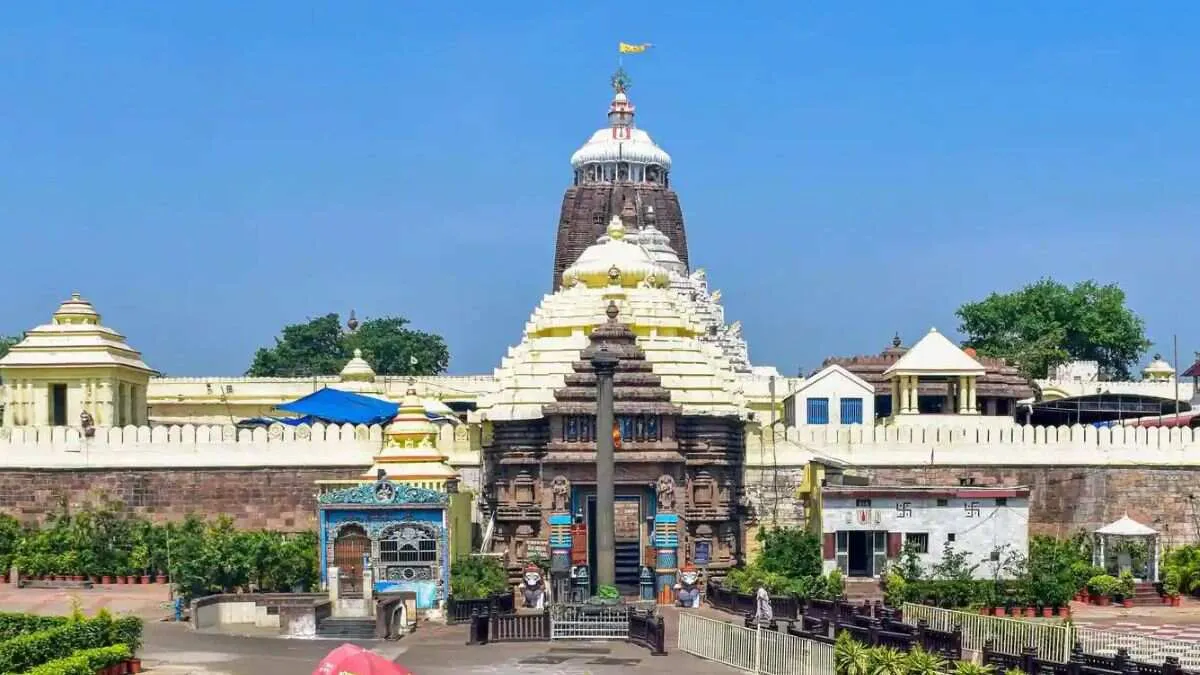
[(612, 311), (896, 342), (352, 322)]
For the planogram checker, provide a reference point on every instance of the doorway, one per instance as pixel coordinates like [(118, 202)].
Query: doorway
[(627, 544), (58, 405), (351, 550), (862, 553)]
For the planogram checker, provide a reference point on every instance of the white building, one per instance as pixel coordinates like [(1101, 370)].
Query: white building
[(833, 396), (865, 527)]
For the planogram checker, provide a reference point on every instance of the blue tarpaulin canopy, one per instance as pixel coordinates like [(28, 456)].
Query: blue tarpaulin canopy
[(334, 406)]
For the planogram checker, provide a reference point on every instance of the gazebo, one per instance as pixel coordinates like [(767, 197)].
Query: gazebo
[(1127, 529)]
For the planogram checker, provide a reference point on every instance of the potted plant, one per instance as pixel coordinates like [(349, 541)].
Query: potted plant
[(1126, 588), (139, 561), (1171, 588), (1101, 587)]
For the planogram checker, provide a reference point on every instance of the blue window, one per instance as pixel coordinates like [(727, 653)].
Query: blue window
[(852, 411), (818, 411)]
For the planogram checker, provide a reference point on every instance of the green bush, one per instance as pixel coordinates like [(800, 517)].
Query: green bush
[(1103, 585), (127, 631), (477, 577), (84, 662), (21, 653), (13, 624)]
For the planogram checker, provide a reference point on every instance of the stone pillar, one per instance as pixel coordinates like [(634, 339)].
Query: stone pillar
[(971, 383), (900, 384), (666, 549), (895, 397), (331, 573), (604, 363), (962, 394)]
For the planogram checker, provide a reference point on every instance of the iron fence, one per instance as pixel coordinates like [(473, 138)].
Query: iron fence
[(589, 622)]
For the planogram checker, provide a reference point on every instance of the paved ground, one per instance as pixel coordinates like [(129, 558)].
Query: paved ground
[(174, 649), (145, 601)]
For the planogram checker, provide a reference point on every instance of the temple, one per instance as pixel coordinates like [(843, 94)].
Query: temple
[(618, 171), (679, 425)]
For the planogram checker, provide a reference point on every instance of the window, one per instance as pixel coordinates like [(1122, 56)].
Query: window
[(950, 537), (818, 411), (862, 503), (943, 502), (408, 545), (1001, 501), (852, 410), (918, 541)]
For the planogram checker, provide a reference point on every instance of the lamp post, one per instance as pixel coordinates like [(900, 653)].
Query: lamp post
[(605, 364)]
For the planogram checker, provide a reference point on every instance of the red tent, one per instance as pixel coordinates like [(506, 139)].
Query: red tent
[(354, 660)]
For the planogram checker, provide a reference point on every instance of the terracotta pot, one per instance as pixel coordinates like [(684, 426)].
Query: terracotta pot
[(1175, 600), (985, 611), (1064, 612), (997, 611), (121, 579), (1127, 602), (135, 665), (160, 579), (105, 579), (1104, 600), (1030, 612), (132, 579), (1047, 612), (76, 577), (146, 579)]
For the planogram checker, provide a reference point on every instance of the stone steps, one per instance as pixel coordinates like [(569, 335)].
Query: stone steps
[(347, 628)]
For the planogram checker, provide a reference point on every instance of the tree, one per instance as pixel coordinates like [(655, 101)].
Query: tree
[(321, 347), (1047, 323), (6, 342)]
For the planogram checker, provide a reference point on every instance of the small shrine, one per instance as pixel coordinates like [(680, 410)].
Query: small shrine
[(391, 530)]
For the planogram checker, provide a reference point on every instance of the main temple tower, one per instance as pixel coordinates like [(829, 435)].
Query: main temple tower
[(619, 171)]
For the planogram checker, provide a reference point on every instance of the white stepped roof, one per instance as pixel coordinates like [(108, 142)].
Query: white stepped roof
[(935, 354), (1127, 527)]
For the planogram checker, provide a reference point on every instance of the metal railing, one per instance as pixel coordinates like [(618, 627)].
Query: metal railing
[(753, 650), (1008, 636), (589, 622)]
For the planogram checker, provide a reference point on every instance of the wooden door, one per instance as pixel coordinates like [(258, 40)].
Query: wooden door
[(349, 548)]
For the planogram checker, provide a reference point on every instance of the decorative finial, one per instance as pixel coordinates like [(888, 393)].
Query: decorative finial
[(76, 296), (896, 341), (614, 275), (412, 387), (649, 213), (352, 322), (616, 228), (620, 81), (357, 353), (611, 312), (1158, 357)]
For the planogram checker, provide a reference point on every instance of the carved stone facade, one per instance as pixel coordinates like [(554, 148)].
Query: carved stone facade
[(586, 210), (678, 478)]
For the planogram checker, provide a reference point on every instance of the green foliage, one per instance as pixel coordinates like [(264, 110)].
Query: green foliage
[(23, 652), (851, 657), (608, 592), (969, 668), (321, 347), (215, 557), (85, 662), (1125, 585), (790, 551), (1048, 323), (13, 624), (920, 662), (1103, 585), (477, 577), (1181, 565)]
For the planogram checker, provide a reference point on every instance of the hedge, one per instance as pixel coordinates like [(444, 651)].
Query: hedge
[(24, 652), (13, 624), (85, 662)]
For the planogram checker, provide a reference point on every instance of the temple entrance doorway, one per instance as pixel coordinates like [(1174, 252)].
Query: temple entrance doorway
[(630, 538), (861, 553), (351, 547)]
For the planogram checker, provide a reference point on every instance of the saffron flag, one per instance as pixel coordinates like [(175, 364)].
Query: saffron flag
[(626, 48)]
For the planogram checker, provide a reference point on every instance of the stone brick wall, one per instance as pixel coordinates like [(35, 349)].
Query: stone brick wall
[(272, 498), (1065, 499)]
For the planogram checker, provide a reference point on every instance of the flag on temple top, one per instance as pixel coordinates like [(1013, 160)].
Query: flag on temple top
[(412, 360), (626, 48)]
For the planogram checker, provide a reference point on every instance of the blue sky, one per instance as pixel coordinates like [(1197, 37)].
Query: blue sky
[(208, 172)]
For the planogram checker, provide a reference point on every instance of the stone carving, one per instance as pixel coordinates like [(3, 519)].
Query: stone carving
[(560, 490), (383, 493), (666, 493), (533, 589), (687, 591)]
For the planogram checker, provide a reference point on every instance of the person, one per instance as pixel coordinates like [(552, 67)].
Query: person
[(763, 612)]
